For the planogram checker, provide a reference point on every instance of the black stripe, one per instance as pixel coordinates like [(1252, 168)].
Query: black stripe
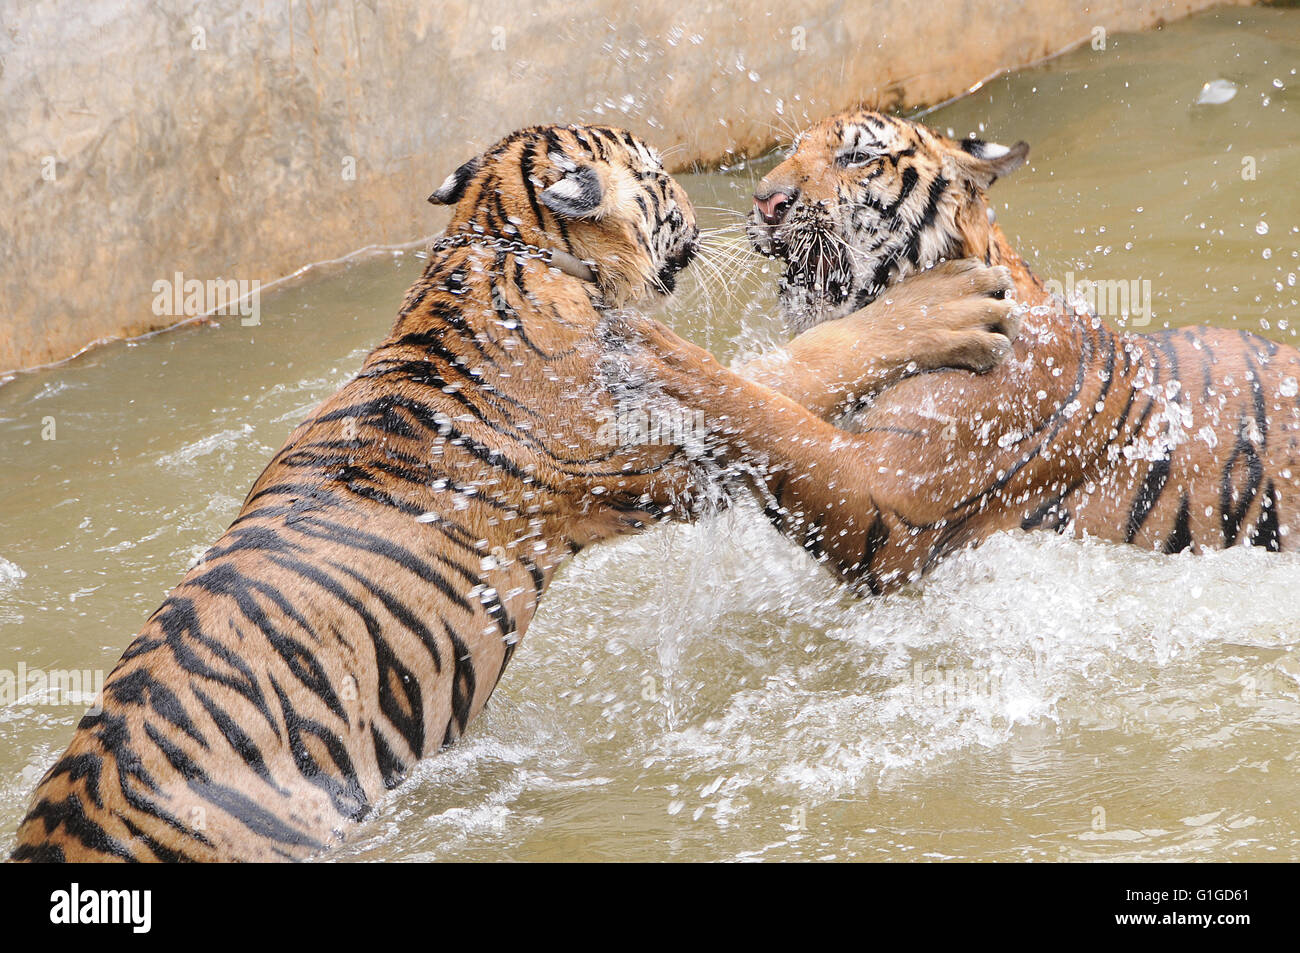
[(165, 854), (141, 689), (178, 619), (236, 737), (1267, 532), (344, 790), (391, 768), (70, 815), (1231, 516), (1181, 537), (86, 768), (225, 579), (1147, 497)]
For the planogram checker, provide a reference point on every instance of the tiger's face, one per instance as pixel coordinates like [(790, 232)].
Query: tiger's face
[(865, 199), (595, 192)]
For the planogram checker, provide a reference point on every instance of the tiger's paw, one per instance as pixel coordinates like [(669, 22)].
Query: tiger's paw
[(960, 296), (960, 314)]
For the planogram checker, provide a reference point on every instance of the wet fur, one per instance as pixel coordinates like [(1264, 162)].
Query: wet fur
[(362, 607), (1177, 440), (364, 604)]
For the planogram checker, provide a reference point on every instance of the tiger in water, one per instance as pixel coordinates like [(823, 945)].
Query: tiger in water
[(1178, 440), (362, 606)]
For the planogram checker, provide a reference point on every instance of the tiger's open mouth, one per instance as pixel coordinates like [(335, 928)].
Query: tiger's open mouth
[(819, 279), (817, 260)]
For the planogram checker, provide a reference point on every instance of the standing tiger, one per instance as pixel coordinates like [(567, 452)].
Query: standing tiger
[(1178, 440), (364, 603)]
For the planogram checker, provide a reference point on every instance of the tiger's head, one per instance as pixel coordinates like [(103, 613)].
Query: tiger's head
[(594, 192), (865, 199)]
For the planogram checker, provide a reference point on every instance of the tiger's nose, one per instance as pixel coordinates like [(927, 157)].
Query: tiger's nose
[(773, 206)]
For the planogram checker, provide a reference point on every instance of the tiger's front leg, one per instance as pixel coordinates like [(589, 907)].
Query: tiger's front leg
[(831, 491)]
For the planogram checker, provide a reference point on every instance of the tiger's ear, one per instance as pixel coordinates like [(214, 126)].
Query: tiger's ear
[(986, 162), (453, 187), (579, 194)]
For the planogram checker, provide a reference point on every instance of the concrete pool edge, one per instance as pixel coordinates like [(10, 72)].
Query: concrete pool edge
[(283, 138)]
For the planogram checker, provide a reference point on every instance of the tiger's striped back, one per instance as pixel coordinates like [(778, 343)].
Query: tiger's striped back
[(1185, 439), (362, 607)]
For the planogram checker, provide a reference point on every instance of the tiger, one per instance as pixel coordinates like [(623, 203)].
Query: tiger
[(361, 608), (1175, 441)]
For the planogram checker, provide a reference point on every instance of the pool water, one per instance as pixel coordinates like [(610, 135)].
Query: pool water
[(707, 692)]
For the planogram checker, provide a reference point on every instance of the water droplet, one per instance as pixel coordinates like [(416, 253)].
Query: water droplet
[(1261, 228), (1216, 92)]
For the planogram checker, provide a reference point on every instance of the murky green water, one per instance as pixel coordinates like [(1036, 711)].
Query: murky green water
[(705, 692)]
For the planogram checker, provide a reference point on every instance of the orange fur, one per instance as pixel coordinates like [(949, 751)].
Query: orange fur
[(1183, 439), (362, 607)]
